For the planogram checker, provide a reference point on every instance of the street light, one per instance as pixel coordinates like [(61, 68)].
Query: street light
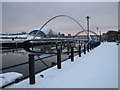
[(88, 26), (100, 36), (97, 32)]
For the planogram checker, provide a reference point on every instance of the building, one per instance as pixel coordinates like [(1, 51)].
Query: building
[(39, 34), (45, 32)]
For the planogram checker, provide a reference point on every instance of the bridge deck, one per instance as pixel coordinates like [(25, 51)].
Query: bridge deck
[(96, 69)]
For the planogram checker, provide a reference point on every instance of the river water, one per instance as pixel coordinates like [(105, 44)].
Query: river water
[(11, 57)]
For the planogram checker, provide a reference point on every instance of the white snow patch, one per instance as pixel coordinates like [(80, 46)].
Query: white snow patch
[(16, 38), (96, 69), (6, 78)]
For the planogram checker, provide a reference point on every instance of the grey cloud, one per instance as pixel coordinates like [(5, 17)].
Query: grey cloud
[(24, 16)]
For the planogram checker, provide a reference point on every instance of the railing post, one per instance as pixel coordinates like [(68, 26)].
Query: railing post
[(84, 49), (31, 69), (61, 45), (79, 51), (72, 53), (68, 48), (59, 57), (92, 45), (88, 47)]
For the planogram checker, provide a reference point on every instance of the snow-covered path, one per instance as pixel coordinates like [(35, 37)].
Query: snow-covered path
[(96, 69)]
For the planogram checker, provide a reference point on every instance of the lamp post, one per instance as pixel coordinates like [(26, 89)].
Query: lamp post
[(97, 32), (88, 26), (100, 36)]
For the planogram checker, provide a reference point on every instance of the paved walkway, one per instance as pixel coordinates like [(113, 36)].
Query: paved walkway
[(96, 69)]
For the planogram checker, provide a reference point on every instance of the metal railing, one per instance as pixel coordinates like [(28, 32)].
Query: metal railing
[(59, 43)]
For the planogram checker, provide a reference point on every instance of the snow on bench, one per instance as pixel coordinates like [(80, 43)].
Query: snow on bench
[(6, 78)]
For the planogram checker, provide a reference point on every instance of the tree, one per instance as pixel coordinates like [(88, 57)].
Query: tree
[(112, 36)]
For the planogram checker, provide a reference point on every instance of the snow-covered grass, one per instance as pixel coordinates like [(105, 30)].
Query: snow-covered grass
[(96, 69), (6, 78)]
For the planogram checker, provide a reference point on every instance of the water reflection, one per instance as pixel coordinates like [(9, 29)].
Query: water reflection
[(11, 57)]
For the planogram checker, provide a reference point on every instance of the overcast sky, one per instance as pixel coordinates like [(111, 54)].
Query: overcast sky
[(25, 16)]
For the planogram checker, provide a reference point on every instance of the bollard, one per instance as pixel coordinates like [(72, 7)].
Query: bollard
[(56, 45), (64, 43), (72, 53), (92, 45), (61, 45), (84, 49), (88, 47), (68, 50), (31, 69), (79, 51), (16, 45), (59, 58)]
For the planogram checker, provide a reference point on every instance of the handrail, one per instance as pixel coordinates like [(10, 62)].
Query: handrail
[(72, 59), (25, 63)]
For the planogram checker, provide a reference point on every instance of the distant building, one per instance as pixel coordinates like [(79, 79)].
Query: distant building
[(40, 34), (45, 32)]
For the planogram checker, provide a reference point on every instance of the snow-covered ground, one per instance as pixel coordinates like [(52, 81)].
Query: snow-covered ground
[(8, 38), (9, 77), (17, 38), (96, 69)]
